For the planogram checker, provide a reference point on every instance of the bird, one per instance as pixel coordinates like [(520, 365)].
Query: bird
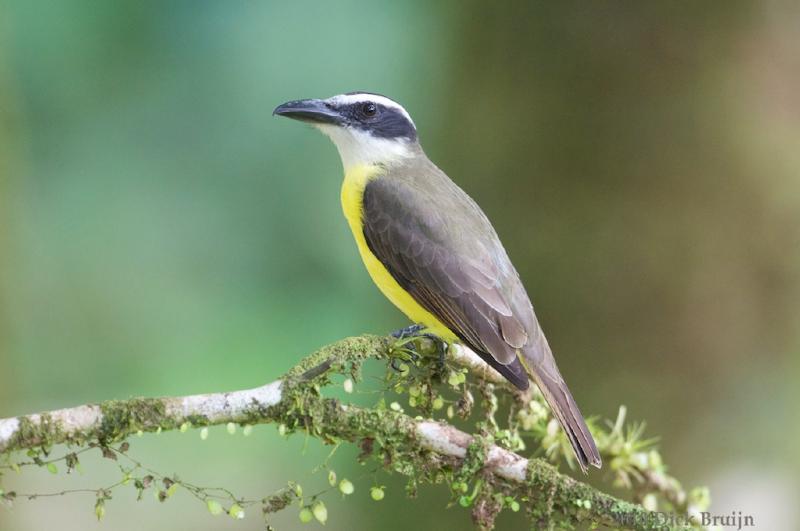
[(432, 251)]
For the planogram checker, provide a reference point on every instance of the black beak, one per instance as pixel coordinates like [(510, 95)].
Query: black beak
[(314, 111)]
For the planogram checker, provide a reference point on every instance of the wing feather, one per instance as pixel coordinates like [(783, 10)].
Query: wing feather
[(457, 283)]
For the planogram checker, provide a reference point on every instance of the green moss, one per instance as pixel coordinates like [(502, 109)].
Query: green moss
[(561, 501), (390, 432), (474, 461), (198, 420), (123, 417), (29, 434), (337, 355)]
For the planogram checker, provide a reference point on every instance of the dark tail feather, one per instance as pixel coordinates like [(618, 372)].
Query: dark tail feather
[(557, 394), (513, 372), (565, 409)]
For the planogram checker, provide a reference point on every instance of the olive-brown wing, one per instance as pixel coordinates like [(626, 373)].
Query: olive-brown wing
[(448, 271)]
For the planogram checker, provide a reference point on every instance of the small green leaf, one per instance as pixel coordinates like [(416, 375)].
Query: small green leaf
[(654, 459), (346, 487), (514, 505), (236, 512), (185, 426), (214, 507), (52, 468), (231, 427), (454, 379), (320, 511), (305, 515), (460, 486), (699, 498), (100, 509), (650, 502), (438, 403), (376, 493)]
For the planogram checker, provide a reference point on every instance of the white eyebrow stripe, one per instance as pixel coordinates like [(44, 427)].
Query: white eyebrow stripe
[(347, 99)]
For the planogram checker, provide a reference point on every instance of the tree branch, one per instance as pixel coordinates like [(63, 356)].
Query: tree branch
[(416, 448)]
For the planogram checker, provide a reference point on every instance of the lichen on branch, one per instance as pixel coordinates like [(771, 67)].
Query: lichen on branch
[(484, 471)]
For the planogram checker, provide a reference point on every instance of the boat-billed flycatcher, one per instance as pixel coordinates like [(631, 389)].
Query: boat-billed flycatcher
[(432, 251)]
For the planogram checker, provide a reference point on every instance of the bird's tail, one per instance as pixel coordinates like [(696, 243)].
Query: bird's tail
[(541, 367)]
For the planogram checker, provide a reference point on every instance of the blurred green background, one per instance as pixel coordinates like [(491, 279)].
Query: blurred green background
[(161, 233)]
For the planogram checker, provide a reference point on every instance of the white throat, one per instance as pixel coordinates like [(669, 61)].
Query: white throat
[(360, 148)]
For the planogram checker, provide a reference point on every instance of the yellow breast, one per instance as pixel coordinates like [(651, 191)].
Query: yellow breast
[(355, 180)]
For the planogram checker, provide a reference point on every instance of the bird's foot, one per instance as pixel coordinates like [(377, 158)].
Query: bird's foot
[(403, 352), (409, 331), (413, 342), (399, 365)]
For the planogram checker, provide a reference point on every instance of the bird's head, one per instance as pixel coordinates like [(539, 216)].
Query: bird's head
[(366, 128)]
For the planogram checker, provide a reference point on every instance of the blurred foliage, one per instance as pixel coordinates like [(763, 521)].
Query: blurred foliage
[(161, 234)]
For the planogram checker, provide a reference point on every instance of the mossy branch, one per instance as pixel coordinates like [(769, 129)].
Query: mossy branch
[(422, 449)]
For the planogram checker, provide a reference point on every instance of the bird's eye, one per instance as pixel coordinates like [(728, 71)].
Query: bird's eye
[(369, 109)]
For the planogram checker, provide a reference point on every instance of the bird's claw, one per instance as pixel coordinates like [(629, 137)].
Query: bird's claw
[(409, 331), (410, 350)]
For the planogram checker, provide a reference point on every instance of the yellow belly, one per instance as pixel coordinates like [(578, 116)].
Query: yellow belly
[(355, 180)]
